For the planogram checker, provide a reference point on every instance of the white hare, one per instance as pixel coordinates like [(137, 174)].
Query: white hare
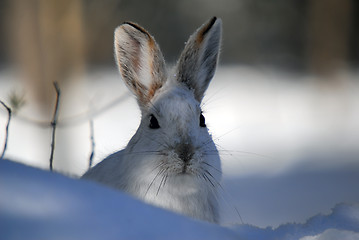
[(171, 161)]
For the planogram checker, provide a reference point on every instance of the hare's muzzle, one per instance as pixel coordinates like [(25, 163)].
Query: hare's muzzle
[(185, 152)]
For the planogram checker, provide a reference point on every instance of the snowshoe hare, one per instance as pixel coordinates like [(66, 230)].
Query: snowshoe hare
[(171, 161)]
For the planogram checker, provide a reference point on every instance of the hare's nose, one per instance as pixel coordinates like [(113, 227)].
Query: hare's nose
[(185, 152)]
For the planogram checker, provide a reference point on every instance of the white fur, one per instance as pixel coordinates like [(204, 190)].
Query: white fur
[(176, 166)]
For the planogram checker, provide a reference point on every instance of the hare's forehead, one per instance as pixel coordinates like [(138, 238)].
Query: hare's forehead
[(177, 102)]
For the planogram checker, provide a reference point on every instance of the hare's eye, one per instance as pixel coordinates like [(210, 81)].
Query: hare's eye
[(202, 121), (153, 122)]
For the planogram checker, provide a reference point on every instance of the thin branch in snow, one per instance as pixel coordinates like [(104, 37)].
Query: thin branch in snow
[(76, 119), (92, 138), (6, 129), (54, 124)]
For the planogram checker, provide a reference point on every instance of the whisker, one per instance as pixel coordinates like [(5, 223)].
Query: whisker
[(158, 166), (158, 174), (228, 199), (146, 152), (206, 171), (210, 99), (159, 187), (211, 154), (202, 176), (246, 152), (162, 182), (210, 165), (220, 136), (209, 180), (165, 180), (235, 155)]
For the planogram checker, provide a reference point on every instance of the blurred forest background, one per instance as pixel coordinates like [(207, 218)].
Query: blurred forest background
[(60, 37), (44, 41)]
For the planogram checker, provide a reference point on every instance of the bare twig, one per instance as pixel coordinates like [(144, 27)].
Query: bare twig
[(80, 118), (6, 129), (92, 138), (77, 119), (54, 123)]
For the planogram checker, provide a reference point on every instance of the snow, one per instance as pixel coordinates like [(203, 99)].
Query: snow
[(344, 219), (293, 196), (37, 204), (333, 234)]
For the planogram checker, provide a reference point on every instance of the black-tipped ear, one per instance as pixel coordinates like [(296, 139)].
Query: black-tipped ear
[(140, 61), (198, 61)]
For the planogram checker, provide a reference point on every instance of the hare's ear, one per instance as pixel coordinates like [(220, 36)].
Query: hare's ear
[(140, 61), (198, 60)]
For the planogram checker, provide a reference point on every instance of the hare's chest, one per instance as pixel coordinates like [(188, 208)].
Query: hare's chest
[(188, 200)]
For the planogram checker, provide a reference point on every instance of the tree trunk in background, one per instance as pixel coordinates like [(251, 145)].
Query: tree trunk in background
[(329, 35), (47, 42)]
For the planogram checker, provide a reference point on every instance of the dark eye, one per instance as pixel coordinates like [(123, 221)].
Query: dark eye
[(153, 122), (202, 121)]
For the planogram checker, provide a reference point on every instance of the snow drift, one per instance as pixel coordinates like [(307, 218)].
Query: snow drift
[(37, 204)]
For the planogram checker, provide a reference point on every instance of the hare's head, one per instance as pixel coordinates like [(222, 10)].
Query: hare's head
[(172, 137)]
